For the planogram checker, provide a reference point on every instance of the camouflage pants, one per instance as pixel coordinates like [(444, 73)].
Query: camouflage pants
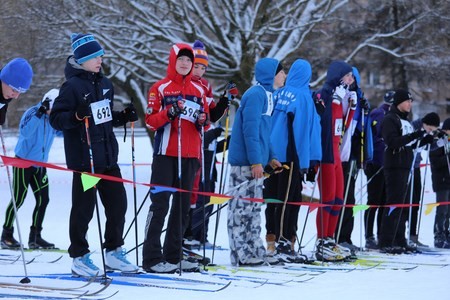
[(244, 217)]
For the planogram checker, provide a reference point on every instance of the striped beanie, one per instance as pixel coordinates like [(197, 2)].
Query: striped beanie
[(201, 57), (85, 47)]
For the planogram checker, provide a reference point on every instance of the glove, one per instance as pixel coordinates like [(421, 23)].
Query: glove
[(438, 133), (83, 111), (45, 106), (202, 119), (175, 110), (352, 100), (319, 104), (130, 113), (218, 131), (364, 104), (339, 93), (418, 134), (232, 89), (428, 139), (311, 174)]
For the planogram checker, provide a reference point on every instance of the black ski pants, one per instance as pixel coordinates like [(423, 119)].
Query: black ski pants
[(114, 200)]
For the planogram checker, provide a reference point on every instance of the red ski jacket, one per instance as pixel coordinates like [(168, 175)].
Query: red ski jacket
[(161, 96)]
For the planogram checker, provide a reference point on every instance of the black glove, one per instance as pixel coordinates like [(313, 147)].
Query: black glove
[(428, 139), (364, 104), (311, 175), (83, 110), (418, 134), (319, 104), (439, 133), (175, 110), (45, 106), (218, 131), (130, 113)]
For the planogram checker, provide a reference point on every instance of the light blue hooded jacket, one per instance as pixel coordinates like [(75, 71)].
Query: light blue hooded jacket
[(250, 139), (295, 123), (35, 136)]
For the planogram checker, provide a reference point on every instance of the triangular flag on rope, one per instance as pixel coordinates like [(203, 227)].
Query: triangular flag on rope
[(391, 208), (88, 181), (218, 200), (272, 200), (159, 189), (358, 208), (430, 208)]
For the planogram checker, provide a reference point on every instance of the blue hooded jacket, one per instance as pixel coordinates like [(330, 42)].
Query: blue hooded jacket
[(295, 120), (35, 136), (250, 139)]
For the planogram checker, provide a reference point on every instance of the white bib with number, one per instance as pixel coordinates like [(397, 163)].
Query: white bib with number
[(190, 111), (101, 111), (338, 127)]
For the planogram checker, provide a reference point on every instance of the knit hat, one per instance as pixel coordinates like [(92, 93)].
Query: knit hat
[(389, 97), (186, 52), (446, 125), (401, 96), (279, 68), (17, 74), (51, 95), (201, 57), (85, 47), (432, 119)]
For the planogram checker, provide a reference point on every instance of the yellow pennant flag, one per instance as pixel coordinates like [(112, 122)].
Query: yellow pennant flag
[(430, 208), (218, 200), (358, 208), (89, 181)]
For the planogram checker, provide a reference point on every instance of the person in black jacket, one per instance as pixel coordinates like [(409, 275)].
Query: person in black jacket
[(440, 177), (84, 112), (400, 140)]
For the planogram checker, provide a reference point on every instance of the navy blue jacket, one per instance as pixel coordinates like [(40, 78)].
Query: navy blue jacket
[(79, 86)]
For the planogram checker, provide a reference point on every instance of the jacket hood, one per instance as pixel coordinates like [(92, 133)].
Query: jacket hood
[(265, 70), (300, 74), (171, 70), (336, 71)]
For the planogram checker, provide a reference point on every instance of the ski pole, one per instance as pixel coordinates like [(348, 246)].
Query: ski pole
[(136, 214), (307, 213), (133, 166), (222, 181), (342, 211), (286, 198), (422, 192), (25, 279), (91, 160)]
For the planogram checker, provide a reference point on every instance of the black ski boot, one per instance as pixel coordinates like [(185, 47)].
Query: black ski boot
[(8, 241), (36, 241)]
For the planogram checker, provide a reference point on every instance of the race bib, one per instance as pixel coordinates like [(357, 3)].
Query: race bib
[(101, 111), (190, 111), (338, 127)]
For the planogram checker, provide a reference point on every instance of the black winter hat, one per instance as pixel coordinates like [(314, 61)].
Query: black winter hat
[(446, 125), (389, 97), (400, 96), (186, 52), (432, 119)]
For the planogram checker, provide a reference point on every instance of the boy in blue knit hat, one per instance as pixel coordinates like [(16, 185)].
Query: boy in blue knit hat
[(16, 78)]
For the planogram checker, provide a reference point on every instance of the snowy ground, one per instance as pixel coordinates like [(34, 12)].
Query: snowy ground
[(422, 282)]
